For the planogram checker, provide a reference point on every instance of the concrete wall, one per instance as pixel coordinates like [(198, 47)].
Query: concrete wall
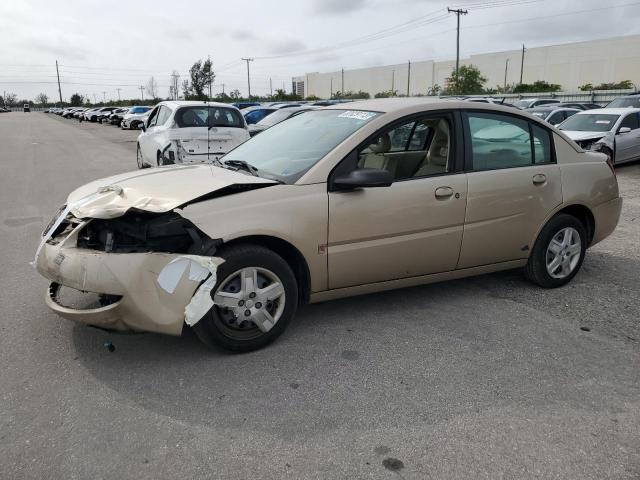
[(569, 65)]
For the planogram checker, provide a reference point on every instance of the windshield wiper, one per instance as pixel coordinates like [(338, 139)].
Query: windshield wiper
[(243, 165)]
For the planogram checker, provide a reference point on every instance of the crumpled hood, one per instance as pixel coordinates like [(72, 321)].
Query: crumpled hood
[(154, 190), (577, 136)]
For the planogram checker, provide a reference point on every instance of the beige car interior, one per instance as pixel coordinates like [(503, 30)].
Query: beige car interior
[(431, 159)]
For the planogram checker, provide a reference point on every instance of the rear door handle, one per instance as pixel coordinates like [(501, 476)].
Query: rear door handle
[(539, 179), (444, 192)]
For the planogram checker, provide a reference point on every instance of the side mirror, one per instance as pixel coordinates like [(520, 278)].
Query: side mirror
[(624, 130), (364, 178), (143, 126)]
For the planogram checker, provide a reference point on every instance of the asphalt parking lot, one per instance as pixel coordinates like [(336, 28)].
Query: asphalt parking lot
[(488, 377)]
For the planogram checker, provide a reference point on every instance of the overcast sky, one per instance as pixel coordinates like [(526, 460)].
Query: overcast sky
[(102, 46)]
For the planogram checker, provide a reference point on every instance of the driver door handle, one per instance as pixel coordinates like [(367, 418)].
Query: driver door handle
[(539, 179), (444, 192)]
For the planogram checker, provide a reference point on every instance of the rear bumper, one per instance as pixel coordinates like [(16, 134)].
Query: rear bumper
[(606, 216)]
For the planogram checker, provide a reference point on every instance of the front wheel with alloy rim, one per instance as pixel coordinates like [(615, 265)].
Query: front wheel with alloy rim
[(139, 158), (558, 253), (255, 298)]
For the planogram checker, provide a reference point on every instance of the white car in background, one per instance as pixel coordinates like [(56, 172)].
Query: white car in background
[(186, 132), (613, 131), (135, 117)]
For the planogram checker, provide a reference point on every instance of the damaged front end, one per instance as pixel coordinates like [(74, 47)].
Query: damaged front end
[(141, 271)]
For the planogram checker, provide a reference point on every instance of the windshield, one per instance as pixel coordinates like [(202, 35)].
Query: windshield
[(287, 150), (276, 117), (625, 102), (539, 113), (590, 122), (522, 103)]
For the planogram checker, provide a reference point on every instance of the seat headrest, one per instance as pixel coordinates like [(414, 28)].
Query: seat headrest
[(439, 150), (383, 145)]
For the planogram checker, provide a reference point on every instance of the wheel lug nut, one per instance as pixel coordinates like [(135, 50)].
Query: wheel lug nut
[(252, 295), (241, 303), (247, 313), (258, 305)]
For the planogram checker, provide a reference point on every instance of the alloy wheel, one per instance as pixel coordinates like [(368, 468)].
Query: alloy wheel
[(563, 253), (250, 302)]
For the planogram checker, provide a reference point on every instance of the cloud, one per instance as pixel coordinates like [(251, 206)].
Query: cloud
[(180, 34), (337, 7), (290, 45), (242, 35), (60, 47)]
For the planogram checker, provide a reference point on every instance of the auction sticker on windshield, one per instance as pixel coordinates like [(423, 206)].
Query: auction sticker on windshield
[(358, 115)]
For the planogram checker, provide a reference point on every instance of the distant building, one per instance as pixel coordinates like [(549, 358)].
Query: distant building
[(569, 65)]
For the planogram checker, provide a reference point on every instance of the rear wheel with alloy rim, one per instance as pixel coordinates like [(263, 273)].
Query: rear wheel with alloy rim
[(254, 300), (558, 253)]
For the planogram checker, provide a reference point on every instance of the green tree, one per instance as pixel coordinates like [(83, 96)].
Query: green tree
[(623, 85), (468, 80), (537, 86), (76, 100), (281, 95), (434, 90), (386, 94), (235, 95), (201, 75), (351, 95)]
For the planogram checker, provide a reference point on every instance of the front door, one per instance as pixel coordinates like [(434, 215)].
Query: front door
[(628, 144), (514, 184), (411, 228)]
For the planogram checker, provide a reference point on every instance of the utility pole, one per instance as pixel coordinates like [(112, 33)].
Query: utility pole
[(458, 12), (58, 74), (141, 91), (506, 66), (248, 78), (270, 87), (393, 80), (522, 63), (223, 89), (342, 87), (210, 79), (95, 98), (118, 89), (408, 76), (331, 88), (104, 97)]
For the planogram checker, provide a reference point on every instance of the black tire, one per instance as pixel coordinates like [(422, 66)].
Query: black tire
[(139, 159), (159, 159), (536, 268), (212, 329)]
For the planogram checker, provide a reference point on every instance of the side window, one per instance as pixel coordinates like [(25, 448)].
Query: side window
[(630, 121), (414, 149), (163, 116), (499, 141), (542, 144), (556, 118), (153, 118)]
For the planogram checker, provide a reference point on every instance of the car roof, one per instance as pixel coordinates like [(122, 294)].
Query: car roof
[(610, 111), (194, 103), (398, 104)]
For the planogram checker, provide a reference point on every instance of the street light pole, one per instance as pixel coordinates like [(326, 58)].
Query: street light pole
[(506, 66), (522, 63)]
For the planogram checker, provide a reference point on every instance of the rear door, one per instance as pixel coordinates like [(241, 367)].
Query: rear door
[(628, 144), (513, 185)]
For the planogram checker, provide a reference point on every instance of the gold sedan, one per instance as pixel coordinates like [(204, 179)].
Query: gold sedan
[(349, 199)]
